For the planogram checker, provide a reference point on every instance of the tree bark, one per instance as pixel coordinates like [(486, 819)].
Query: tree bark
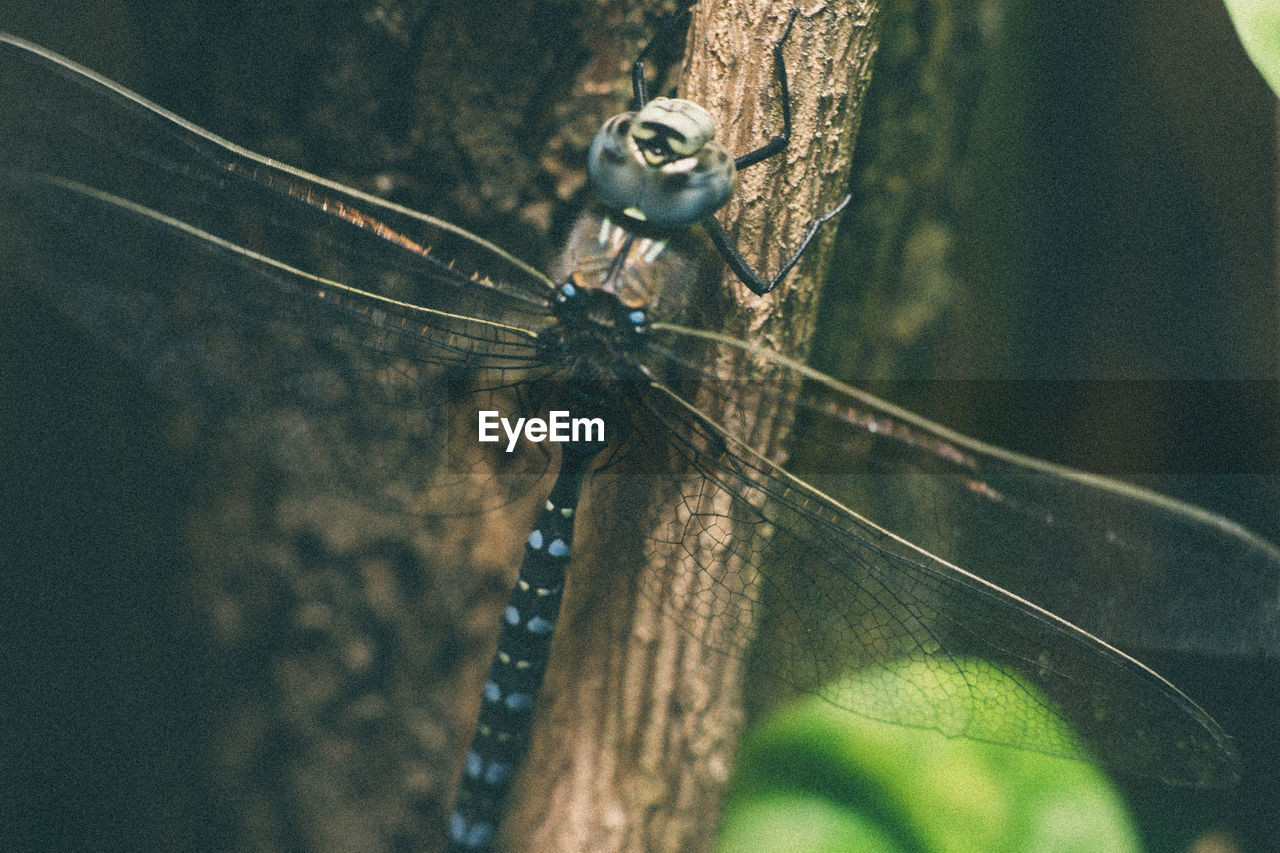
[(640, 719)]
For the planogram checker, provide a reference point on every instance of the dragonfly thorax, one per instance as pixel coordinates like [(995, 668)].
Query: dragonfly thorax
[(661, 165), (593, 342), (588, 310)]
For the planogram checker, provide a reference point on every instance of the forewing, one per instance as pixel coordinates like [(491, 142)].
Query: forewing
[(251, 291)]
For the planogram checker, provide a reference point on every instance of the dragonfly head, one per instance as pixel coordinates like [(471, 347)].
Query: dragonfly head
[(661, 165)]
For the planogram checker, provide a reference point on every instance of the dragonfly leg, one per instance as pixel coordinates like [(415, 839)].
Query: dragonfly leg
[(754, 282), (779, 142), (719, 237), (640, 89)]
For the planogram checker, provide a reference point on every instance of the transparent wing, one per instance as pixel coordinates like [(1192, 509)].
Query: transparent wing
[(243, 286), (1143, 570), (906, 542), (104, 188), (308, 311), (66, 122)]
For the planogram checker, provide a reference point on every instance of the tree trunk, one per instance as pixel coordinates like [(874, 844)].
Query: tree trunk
[(640, 719)]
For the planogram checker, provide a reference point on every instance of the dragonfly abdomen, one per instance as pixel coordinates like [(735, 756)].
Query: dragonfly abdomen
[(515, 675)]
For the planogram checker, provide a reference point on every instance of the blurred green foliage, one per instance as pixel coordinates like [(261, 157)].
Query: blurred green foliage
[(1258, 24), (815, 778)]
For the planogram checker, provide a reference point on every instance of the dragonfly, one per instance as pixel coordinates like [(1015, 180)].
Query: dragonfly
[(355, 298)]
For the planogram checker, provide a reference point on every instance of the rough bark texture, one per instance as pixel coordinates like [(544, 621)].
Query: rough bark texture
[(904, 283)]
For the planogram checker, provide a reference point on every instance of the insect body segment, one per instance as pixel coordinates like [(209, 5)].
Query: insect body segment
[(515, 676), (660, 165)]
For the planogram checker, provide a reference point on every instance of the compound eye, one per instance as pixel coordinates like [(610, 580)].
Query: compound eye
[(657, 151), (672, 128), (661, 165)]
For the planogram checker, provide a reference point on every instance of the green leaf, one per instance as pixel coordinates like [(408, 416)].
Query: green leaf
[(816, 778), (793, 822), (1258, 23)]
